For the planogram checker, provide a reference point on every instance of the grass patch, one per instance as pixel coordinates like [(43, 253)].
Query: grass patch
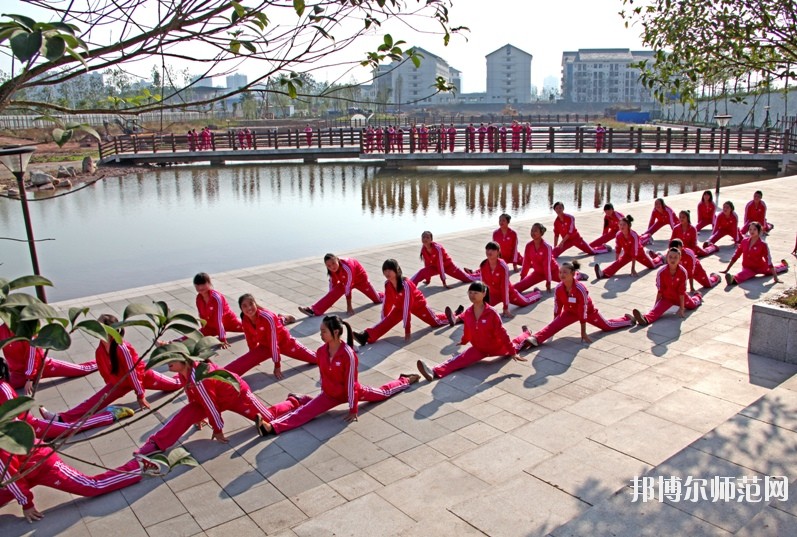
[(788, 298), (66, 157)]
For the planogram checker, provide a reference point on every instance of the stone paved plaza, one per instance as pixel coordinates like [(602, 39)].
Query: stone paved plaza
[(547, 447)]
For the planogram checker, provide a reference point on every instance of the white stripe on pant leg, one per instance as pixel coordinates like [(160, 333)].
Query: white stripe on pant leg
[(258, 404), (433, 315)]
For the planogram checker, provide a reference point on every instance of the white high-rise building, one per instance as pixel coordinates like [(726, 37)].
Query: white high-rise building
[(508, 76), (236, 81), (604, 76), (407, 84)]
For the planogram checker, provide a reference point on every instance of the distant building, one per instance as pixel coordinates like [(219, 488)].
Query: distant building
[(236, 81), (508, 76), (604, 76), (403, 83), (202, 82)]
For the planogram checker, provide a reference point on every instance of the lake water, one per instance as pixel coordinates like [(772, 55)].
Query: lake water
[(168, 224)]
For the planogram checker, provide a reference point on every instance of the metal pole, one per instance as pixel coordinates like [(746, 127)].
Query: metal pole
[(719, 169), (29, 230)]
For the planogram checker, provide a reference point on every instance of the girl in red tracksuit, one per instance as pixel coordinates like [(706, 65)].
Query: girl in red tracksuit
[(628, 248), (660, 216), (486, 334), (495, 274), (756, 211), (726, 223), (267, 337), (573, 304), (214, 310), (123, 372), (706, 210), (344, 275), (671, 284), (611, 225), (687, 233), (48, 430), (207, 399), (42, 466), (507, 239), (437, 262), (538, 258), (756, 258), (565, 227), (691, 263), (337, 364), (402, 300), (25, 362)]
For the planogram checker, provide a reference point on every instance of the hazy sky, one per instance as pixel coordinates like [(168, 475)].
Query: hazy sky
[(542, 28)]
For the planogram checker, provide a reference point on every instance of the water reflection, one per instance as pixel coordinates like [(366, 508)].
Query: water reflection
[(167, 224)]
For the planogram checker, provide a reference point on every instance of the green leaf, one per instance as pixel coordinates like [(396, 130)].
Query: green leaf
[(21, 299), (138, 322), (93, 328), (27, 22), (14, 407), (61, 136), (133, 310), (202, 372), (185, 317), (113, 333), (235, 47), (54, 47), (249, 46), (183, 328), (25, 46), (239, 9), (74, 313), (39, 311), (52, 336), (17, 437), (28, 281), (298, 5)]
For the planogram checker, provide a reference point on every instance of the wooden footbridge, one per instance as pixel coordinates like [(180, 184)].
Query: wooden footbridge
[(642, 148)]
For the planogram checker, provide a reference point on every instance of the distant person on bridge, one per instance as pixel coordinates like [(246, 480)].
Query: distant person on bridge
[(517, 132), (249, 138), (527, 130), (611, 225), (506, 238), (423, 138), (564, 226), (671, 284), (379, 135), (207, 139), (482, 133), (600, 133), (726, 223), (191, 137), (399, 139), (344, 275), (660, 216), (452, 137), (706, 210), (502, 134), (390, 133), (756, 211), (369, 139), (437, 262), (472, 137), (756, 258), (241, 139), (402, 301), (628, 248), (267, 337), (308, 134)]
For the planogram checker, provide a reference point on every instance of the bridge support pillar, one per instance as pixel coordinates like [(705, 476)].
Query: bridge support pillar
[(391, 164), (217, 162), (515, 166), (643, 166), (310, 160)]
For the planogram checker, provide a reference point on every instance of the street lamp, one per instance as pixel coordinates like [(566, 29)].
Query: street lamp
[(722, 120), (16, 159)]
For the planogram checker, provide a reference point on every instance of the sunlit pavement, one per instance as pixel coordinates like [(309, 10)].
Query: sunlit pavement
[(502, 448)]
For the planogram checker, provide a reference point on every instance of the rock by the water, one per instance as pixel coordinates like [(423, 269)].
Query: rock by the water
[(62, 172), (63, 183), (88, 165), (41, 178), (72, 171)]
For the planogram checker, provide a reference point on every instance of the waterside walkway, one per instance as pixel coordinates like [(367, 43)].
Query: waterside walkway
[(547, 447)]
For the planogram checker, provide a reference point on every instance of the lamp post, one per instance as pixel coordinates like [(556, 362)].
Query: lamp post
[(722, 120), (16, 159)]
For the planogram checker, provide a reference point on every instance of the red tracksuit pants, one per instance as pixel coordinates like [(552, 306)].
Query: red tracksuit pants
[(594, 318), (323, 402), (603, 239), (396, 315), (579, 243), (751, 272), (690, 303), (54, 473), (647, 236), (533, 278), (47, 430), (642, 257), (232, 323), (471, 355), (708, 222), (700, 276), (54, 369), (516, 298), (248, 406), (426, 273), (338, 291), (731, 232), (110, 393), (288, 347)]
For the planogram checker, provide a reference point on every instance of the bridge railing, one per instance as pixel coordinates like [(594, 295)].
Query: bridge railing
[(463, 140)]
